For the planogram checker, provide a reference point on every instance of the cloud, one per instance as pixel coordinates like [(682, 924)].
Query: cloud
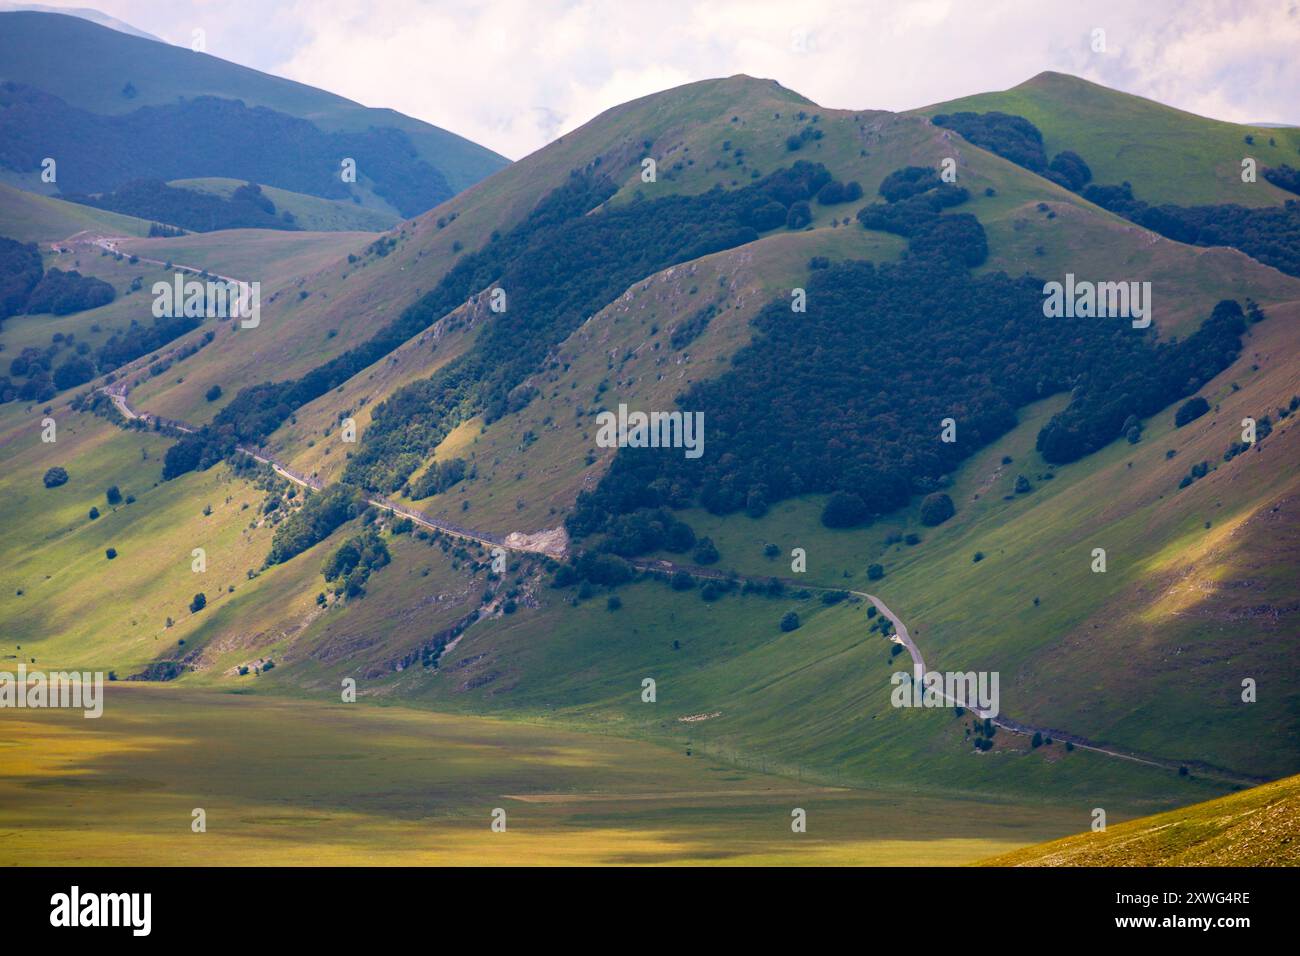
[(514, 74)]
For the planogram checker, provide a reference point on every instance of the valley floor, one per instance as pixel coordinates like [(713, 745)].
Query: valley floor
[(294, 782)]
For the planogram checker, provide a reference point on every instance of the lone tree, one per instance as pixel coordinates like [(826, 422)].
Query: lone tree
[(790, 622), (936, 509), (199, 603), (54, 477), (1190, 410), (844, 510), (706, 552), (114, 495)]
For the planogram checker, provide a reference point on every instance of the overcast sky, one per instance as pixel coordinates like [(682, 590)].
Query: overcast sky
[(514, 74)]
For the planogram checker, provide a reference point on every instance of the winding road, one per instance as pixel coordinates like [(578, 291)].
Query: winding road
[(517, 543)]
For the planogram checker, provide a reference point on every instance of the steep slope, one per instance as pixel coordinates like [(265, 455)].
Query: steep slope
[(30, 217), (1260, 827), (1033, 226), (1167, 154), (310, 213), (733, 682)]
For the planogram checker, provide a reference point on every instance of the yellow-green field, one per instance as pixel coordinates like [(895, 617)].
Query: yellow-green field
[(303, 782)]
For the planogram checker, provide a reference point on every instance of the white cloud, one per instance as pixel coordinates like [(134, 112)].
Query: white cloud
[(514, 74)]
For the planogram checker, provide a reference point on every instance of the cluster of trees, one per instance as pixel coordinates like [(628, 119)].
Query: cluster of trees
[(837, 192), (26, 288), (1012, 137), (100, 153), (557, 274), (63, 293), (1140, 384), (598, 568), (794, 142), (1270, 234), (350, 566), (315, 521), (882, 356), (258, 410), (915, 199), (1016, 139), (439, 476), (1069, 170), (45, 375), (1284, 177), (638, 530), (20, 270), (138, 339), (246, 208), (907, 182), (1263, 428)]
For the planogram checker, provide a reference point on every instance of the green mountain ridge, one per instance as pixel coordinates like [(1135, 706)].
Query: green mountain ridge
[(1146, 657), (89, 66)]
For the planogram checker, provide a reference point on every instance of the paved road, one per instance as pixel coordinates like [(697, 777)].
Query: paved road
[(1000, 720), (110, 243), (118, 392)]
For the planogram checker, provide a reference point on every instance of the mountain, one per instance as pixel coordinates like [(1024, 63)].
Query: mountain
[(84, 13), (479, 415), (1169, 155), (94, 96)]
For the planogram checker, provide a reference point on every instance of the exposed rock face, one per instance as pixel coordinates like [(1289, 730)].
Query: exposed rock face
[(554, 542)]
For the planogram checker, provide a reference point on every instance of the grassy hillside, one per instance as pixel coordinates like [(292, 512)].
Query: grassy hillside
[(92, 326), (63, 600), (1167, 154), (536, 448), (1260, 827), (89, 66), (722, 133), (30, 217), (1134, 657), (309, 212), (1187, 281), (302, 322), (1148, 657)]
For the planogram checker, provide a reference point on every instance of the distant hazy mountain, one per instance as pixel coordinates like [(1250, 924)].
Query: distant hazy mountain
[(85, 13), (112, 97)]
